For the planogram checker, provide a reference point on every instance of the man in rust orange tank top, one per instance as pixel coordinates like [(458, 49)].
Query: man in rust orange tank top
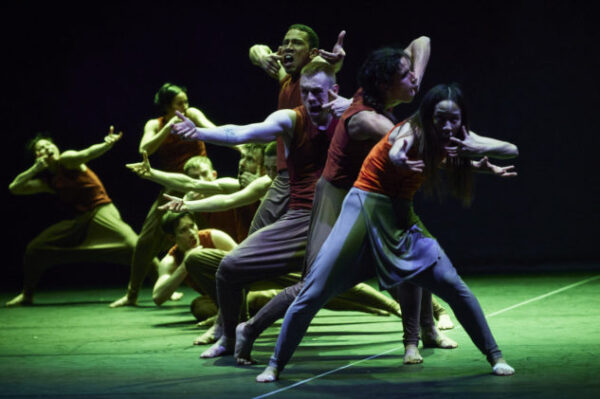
[(96, 232), (279, 248), (171, 153), (300, 46)]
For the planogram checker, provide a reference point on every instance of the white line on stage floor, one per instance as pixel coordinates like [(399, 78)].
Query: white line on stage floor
[(537, 298)]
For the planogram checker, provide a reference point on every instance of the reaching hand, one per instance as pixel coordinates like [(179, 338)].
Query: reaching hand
[(401, 159), (484, 165), (175, 204), (112, 138), (337, 54), (467, 147), (142, 169), (270, 64), (185, 129), (337, 105)]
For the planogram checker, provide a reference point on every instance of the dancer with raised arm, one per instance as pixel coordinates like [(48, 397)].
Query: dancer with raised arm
[(171, 153), (299, 46), (96, 233), (378, 232), (388, 77)]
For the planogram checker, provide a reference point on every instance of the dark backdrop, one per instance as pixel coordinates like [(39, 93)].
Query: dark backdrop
[(529, 69)]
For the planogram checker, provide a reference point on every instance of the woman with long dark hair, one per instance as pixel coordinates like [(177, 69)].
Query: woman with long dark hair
[(379, 233)]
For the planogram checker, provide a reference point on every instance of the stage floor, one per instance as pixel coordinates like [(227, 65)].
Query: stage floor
[(72, 345)]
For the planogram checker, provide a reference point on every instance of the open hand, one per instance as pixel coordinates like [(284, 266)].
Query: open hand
[(337, 54), (184, 129), (175, 204), (112, 138), (467, 147), (400, 159), (270, 64), (337, 105), (142, 169), (484, 165)]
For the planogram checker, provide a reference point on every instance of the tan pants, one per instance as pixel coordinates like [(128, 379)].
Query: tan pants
[(99, 235)]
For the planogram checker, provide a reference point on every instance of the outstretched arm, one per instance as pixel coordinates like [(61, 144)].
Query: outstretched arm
[(217, 203), (337, 54), (181, 182), (278, 123), (72, 159), (474, 145), (26, 181), (419, 51), (167, 281), (262, 56)]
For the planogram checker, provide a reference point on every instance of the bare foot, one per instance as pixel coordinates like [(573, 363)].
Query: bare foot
[(20, 300), (220, 348), (176, 296), (412, 355), (502, 368), (208, 337), (435, 339), (270, 374), (207, 322), (243, 346), (444, 322), (124, 301)]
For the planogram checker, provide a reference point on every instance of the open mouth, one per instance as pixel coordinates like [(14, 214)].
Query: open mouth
[(288, 59), (315, 109)]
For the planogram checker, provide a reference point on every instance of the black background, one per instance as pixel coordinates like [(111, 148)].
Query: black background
[(529, 70)]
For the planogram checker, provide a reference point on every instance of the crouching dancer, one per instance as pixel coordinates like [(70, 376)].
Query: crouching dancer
[(95, 233)]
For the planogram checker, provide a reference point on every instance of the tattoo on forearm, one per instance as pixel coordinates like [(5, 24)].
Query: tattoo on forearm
[(229, 134)]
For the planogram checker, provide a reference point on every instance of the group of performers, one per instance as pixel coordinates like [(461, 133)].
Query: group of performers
[(322, 202)]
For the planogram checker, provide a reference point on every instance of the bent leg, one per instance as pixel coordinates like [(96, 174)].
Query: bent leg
[(269, 252), (274, 205), (443, 281), (338, 267)]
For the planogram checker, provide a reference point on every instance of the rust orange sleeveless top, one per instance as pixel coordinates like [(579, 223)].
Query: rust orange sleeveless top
[(205, 241), (78, 191), (379, 175), (345, 155), (174, 151), (306, 158), (289, 98)]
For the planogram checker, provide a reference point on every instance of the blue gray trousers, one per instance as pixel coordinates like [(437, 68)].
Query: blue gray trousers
[(348, 257)]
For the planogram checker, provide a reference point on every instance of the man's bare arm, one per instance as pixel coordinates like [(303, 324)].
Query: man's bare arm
[(73, 159), (217, 203), (368, 125), (279, 123), (181, 182), (262, 56), (167, 281)]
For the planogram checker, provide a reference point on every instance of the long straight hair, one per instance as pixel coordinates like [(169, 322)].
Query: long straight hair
[(431, 145)]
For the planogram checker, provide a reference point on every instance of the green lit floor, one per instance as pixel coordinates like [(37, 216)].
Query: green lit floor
[(72, 345)]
